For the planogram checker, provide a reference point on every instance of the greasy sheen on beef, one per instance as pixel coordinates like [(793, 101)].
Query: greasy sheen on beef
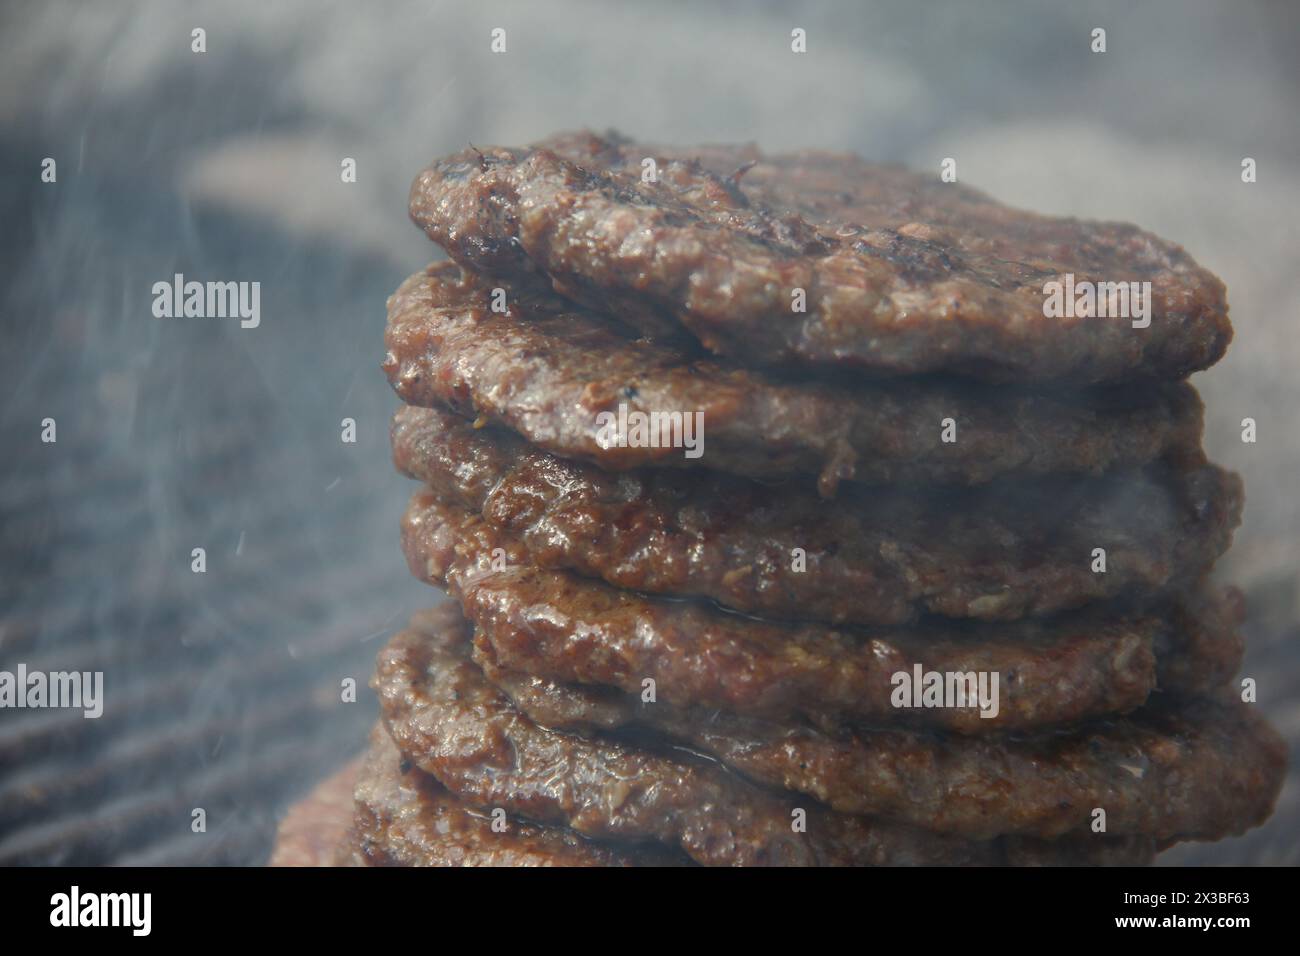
[(875, 556), (901, 272), (451, 722), (404, 817), (1194, 769), (547, 371), (572, 629)]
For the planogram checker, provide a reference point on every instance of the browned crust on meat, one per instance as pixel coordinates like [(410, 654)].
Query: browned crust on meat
[(903, 273), (1200, 769), (882, 557), (446, 717), (406, 818), (576, 630), (317, 829), (548, 371)]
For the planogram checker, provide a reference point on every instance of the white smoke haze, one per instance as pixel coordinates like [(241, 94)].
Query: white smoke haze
[(225, 166)]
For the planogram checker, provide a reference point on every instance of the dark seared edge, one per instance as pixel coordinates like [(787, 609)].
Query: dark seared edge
[(547, 370), (873, 557), (903, 273)]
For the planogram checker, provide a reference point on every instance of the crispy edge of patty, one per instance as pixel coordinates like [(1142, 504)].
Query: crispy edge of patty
[(1200, 769), (902, 274), (879, 558), (547, 372), (448, 719), (577, 630)]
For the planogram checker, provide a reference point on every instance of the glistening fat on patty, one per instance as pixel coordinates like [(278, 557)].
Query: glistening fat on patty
[(451, 722), (901, 272), (873, 557), (1176, 770), (404, 817), (576, 630), (548, 370)]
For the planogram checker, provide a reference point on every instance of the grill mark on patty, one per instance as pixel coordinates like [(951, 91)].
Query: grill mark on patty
[(721, 256)]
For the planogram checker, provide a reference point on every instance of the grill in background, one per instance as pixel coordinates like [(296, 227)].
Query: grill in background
[(222, 690)]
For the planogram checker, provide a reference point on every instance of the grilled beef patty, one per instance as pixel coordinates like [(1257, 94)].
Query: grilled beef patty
[(451, 722), (878, 557), (406, 818), (558, 625), (1198, 769), (548, 370), (901, 273)]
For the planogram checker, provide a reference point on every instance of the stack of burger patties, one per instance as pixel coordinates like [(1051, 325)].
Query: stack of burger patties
[(797, 510)]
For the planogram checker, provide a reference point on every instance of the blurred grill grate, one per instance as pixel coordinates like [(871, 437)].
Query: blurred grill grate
[(222, 690)]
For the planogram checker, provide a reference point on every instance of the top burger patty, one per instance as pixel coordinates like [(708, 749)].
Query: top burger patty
[(548, 371), (902, 273)]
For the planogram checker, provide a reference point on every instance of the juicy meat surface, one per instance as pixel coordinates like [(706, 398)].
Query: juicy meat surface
[(406, 818), (879, 557), (1200, 769), (572, 629), (449, 720), (548, 371), (902, 273)]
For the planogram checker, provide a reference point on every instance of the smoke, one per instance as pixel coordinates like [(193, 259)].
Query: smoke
[(222, 687)]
